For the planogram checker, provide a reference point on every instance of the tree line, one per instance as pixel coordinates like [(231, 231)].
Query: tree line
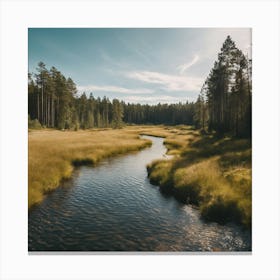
[(53, 102), (224, 104), (169, 114)]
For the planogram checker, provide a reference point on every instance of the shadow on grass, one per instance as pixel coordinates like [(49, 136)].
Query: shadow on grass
[(83, 161), (222, 212), (220, 200)]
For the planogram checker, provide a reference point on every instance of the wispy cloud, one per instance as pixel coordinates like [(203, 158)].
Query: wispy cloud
[(94, 88), (183, 67), (168, 82), (137, 47), (109, 61)]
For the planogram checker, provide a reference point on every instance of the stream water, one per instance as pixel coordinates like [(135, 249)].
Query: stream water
[(113, 207)]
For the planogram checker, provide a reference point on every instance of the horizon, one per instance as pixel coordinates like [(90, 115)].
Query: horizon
[(135, 65)]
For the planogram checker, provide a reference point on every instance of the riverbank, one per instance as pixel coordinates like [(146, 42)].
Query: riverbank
[(113, 207), (212, 173), (53, 154)]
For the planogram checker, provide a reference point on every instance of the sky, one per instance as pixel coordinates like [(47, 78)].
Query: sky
[(136, 65)]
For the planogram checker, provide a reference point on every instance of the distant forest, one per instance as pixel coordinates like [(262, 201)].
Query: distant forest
[(223, 105)]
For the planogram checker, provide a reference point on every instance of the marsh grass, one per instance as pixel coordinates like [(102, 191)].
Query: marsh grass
[(207, 171), (210, 172), (53, 154)]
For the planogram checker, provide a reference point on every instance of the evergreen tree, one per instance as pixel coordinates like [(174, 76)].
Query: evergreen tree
[(228, 91), (117, 114)]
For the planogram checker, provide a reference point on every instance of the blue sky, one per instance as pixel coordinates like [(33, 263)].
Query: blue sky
[(166, 65)]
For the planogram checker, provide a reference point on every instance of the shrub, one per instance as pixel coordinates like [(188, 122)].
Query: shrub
[(33, 124)]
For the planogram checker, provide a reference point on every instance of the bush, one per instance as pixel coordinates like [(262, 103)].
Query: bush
[(34, 124)]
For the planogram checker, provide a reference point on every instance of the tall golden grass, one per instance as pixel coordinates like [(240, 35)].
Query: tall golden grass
[(212, 173), (52, 154)]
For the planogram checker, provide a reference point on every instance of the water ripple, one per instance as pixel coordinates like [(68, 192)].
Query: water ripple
[(113, 207)]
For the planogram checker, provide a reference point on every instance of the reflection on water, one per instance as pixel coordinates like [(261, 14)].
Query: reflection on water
[(113, 207)]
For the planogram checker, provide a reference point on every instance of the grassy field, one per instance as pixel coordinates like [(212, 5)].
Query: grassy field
[(53, 154), (212, 173)]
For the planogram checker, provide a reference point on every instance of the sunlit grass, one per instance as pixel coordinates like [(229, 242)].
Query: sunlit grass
[(53, 154), (212, 173)]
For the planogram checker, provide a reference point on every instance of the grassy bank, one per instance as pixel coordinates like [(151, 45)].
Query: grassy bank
[(212, 173), (53, 154)]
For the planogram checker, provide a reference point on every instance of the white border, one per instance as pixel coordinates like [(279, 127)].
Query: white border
[(17, 16)]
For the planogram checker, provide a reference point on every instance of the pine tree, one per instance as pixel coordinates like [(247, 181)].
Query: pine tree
[(228, 92), (117, 114)]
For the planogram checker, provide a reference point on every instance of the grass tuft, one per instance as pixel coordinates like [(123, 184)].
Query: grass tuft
[(210, 172)]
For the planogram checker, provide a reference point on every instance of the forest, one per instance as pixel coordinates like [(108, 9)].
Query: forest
[(53, 102), (223, 105)]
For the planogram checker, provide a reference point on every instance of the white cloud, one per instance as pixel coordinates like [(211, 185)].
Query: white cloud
[(183, 67), (168, 82), (155, 99), (93, 88)]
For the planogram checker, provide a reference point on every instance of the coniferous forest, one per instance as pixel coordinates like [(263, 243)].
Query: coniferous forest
[(54, 102), (223, 105)]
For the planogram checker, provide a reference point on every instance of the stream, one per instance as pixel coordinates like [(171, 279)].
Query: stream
[(113, 207)]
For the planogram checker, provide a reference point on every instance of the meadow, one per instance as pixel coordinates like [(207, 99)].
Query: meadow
[(211, 173), (53, 154)]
